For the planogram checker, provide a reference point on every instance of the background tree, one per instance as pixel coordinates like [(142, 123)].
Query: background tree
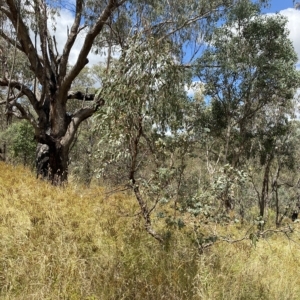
[(19, 138), (250, 80)]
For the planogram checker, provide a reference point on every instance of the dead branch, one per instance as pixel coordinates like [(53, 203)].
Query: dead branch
[(247, 236)]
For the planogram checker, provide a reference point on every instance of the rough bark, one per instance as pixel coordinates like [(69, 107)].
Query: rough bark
[(55, 128), (53, 147)]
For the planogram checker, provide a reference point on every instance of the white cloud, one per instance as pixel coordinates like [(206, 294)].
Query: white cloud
[(293, 26), (66, 19), (62, 24)]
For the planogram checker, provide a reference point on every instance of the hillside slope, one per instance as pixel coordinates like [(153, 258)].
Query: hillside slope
[(78, 243)]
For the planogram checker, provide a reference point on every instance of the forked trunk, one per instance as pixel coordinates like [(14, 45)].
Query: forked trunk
[(56, 132), (51, 155)]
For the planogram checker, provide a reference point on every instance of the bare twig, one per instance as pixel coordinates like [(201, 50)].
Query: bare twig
[(247, 236)]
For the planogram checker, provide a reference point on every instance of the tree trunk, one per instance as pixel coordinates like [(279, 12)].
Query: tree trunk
[(52, 159), (3, 152), (51, 155), (275, 190), (52, 162), (265, 188), (56, 132)]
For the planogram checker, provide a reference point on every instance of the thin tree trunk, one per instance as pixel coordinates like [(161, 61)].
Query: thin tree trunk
[(265, 188), (275, 190), (146, 212), (228, 132)]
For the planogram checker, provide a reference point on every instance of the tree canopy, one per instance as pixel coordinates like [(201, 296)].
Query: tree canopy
[(33, 69)]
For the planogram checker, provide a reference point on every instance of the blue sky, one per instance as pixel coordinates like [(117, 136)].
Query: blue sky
[(278, 5), (285, 7)]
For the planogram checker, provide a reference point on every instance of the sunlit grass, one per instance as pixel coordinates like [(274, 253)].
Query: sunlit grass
[(78, 243)]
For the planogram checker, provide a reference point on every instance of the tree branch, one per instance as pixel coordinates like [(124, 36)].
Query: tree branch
[(247, 236), (80, 96), (25, 115), (10, 41), (49, 73), (22, 88), (24, 38), (188, 22), (76, 119), (71, 40), (88, 43)]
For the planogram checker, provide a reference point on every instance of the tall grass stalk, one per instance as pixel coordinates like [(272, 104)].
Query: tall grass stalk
[(77, 243)]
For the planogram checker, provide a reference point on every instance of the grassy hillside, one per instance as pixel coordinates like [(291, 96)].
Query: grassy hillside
[(78, 243)]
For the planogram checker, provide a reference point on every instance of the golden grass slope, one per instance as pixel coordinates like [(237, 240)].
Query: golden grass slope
[(77, 243)]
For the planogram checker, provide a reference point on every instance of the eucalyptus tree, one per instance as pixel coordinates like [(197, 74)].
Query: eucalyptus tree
[(145, 129), (250, 78), (44, 79)]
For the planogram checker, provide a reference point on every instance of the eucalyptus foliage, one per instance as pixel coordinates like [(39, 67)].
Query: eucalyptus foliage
[(250, 81), (249, 73), (146, 125), (43, 74)]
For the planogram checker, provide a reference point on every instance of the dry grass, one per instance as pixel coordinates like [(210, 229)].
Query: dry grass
[(75, 243)]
